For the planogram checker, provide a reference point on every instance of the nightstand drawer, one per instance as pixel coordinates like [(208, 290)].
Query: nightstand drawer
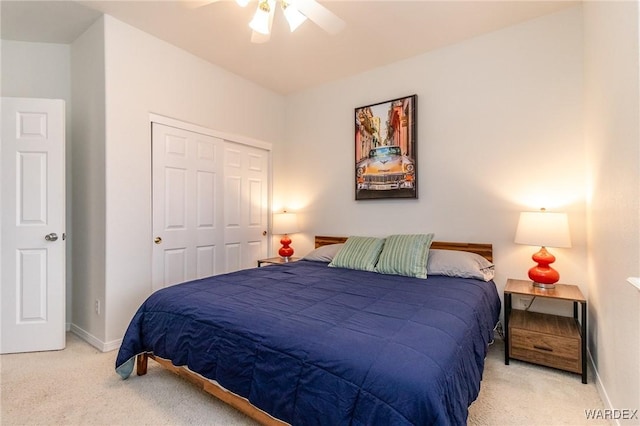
[(545, 349)]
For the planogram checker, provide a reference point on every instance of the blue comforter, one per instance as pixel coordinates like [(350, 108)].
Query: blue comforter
[(310, 344)]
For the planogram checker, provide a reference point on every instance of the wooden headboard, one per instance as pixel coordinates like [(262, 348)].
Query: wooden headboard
[(484, 250)]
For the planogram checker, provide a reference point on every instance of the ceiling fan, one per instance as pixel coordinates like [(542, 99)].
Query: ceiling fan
[(295, 12)]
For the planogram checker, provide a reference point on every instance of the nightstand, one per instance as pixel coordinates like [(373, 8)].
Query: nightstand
[(276, 260), (545, 339)]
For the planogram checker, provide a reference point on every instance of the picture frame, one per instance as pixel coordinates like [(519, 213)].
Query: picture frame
[(386, 150)]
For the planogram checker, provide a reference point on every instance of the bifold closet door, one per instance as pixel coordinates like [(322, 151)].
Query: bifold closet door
[(187, 206), (245, 205), (210, 201)]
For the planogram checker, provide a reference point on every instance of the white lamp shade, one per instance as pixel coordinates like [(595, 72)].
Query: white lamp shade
[(543, 229), (285, 223)]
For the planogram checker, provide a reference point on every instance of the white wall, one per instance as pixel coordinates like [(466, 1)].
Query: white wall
[(146, 75), (612, 107), (499, 131), (36, 70), (42, 70), (88, 152)]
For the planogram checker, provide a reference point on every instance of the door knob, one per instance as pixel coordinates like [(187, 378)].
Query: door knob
[(51, 237), (157, 240), (264, 233)]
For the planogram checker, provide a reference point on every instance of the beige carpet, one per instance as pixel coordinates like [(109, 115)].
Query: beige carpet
[(78, 386), (527, 394)]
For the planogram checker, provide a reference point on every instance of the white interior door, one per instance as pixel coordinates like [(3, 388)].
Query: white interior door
[(187, 206), (245, 205), (33, 220)]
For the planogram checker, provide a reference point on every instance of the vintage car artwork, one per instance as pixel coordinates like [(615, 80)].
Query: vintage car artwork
[(384, 169), (386, 164)]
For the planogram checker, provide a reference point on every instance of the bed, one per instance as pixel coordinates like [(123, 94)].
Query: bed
[(305, 343)]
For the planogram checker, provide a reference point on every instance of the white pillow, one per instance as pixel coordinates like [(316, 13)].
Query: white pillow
[(461, 264), (324, 253)]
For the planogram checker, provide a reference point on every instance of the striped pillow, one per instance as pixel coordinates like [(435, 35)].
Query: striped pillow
[(405, 255), (359, 253)]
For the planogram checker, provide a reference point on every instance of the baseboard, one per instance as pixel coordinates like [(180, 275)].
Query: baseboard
[(94, 341), (600, 386)]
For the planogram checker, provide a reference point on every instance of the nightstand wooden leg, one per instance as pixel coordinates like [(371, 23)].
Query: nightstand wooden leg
[(583, 327), (507, 314)]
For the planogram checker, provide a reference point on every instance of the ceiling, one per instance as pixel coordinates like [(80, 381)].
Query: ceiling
[(376, 33)]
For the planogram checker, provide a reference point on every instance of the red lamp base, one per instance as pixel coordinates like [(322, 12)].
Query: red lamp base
[(543, 275), (285, 251)]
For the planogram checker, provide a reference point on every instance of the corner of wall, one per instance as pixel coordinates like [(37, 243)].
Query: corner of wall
[(88, 187)]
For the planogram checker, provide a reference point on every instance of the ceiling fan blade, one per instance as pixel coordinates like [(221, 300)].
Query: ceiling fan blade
[(322, 16)]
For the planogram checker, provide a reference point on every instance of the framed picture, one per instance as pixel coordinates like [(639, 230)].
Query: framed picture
[(385, 146)]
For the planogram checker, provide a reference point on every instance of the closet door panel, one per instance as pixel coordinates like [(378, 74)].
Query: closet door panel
[(210, 205), (246, 204), (186, 205)]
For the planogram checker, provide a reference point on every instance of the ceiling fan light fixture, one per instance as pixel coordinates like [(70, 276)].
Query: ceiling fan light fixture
[(262, 19), (293, 15)]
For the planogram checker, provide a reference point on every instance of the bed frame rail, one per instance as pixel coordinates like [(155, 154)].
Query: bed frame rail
[(239, 403)]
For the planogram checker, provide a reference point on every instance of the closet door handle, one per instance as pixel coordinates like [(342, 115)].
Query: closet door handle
[(157, 240)]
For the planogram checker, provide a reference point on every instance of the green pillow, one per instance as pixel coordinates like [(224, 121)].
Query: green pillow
[(405, 255), (359, 253)]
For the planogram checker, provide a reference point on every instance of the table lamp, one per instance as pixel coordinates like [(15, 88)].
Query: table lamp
[(543, 229), (285, 224)]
